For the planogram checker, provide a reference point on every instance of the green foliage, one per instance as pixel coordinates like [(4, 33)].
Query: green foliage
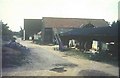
[(21, 32), (6, 33), (16, 34), (115, 24), (105, 57)]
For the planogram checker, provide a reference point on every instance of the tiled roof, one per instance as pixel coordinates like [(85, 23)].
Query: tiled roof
[(72, 22)]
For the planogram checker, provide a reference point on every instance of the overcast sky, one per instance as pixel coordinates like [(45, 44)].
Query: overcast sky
[(14, 12)]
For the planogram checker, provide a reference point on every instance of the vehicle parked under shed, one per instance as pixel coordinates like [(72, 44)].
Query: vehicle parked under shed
[(85, 36)]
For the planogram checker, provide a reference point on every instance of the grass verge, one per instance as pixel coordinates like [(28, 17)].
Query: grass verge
[(100, 57)]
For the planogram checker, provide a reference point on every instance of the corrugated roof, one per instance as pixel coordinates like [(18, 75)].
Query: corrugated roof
[(72, 22), (101, 31)]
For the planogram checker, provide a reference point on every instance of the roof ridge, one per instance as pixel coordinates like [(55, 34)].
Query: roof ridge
[(72, 18)]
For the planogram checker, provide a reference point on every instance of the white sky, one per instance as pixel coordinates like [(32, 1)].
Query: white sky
[(14, 12)]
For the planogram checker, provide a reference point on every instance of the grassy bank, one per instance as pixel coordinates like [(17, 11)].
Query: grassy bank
[(12, 57), (100, 57)]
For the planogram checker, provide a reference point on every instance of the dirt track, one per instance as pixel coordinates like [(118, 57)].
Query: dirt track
[(44, 61)]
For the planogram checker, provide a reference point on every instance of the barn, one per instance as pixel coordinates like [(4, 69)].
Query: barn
[(55, 25), (31, 27)]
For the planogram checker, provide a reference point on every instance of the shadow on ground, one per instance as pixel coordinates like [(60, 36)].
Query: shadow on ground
[(90, 72)]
